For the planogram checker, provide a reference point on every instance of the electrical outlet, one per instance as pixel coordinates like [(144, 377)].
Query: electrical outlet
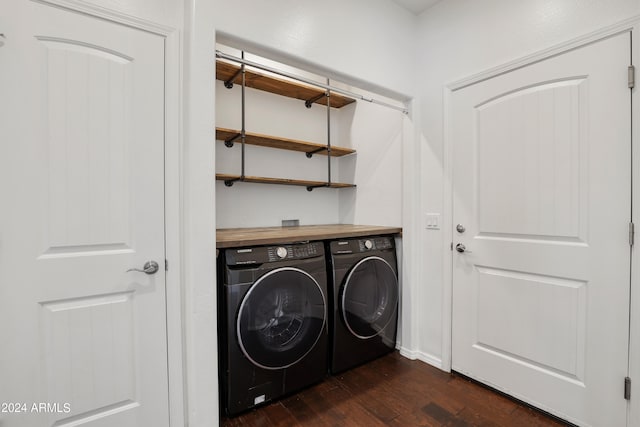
[(432, 221)]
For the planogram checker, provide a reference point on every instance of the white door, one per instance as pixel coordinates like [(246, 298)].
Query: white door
[(83, 341), (542, 187)]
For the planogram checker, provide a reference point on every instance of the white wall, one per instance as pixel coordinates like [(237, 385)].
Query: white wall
[(368, 43), (459, 38), (376, 132)]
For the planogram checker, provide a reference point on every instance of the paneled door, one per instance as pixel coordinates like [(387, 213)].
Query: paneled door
[(83, 340), (541, 251)]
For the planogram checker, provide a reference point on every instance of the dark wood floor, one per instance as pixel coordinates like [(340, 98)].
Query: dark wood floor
[(394, 391)]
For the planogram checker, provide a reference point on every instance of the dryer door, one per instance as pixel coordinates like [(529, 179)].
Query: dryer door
[(369, 297), (281, 318)]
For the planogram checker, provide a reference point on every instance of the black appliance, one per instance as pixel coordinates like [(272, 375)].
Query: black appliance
[(365, 296), (273, 332)]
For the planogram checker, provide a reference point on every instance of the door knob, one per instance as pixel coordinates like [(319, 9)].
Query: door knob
[(149, 267), (461, 248), (460, 228)]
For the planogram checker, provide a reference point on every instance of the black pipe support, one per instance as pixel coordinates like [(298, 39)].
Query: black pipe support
[(229, 141), (309, 102), (317, 150), (229, 83)]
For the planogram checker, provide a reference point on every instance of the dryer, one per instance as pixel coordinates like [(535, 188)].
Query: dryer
[(273, 333), (365, 293)]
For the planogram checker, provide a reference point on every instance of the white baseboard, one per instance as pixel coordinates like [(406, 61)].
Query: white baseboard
[(429, 359)]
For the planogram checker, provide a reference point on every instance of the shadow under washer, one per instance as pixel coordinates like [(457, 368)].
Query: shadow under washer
[(273, 335), (365, 294)]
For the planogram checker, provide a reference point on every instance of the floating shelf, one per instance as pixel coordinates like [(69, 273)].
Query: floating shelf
[(282, 181), (223, 134), (267, 83)]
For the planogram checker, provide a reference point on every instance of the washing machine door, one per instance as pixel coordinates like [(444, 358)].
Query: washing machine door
[(369, 297), (281, 318)]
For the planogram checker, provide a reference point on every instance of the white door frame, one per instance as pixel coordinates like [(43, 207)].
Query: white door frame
[(628, 25), (634, 332), (173, 171)]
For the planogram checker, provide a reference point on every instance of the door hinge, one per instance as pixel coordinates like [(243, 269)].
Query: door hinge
[(631, 76), (632, 233), (166, 265), (627, 388)]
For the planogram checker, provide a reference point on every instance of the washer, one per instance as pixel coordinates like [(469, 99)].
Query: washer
[(273, 328), (365, 296)]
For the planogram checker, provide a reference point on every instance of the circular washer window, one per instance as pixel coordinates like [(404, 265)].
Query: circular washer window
[(281, 318), (369, 297)]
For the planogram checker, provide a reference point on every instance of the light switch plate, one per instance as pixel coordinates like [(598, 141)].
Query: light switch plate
[(432, 221)]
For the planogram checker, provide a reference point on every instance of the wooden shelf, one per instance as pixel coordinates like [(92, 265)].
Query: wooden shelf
[(281, 181), (223, 134), (267, 83), (238, 237), (228, 72)]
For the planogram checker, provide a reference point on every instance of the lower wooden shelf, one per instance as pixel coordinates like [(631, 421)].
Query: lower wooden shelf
[(281, 181)]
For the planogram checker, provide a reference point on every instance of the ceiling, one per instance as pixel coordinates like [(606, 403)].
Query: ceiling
[(416, 6)]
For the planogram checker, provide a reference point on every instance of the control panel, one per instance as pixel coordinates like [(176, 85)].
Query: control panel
[(361, 245), (263, 254), (296, 251), (377, 243)]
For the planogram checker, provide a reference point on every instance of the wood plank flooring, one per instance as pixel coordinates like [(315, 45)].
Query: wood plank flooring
[(394, 391)]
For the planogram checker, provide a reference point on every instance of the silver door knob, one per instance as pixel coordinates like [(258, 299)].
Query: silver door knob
[(149, 267), (460, 228), (461, 248)]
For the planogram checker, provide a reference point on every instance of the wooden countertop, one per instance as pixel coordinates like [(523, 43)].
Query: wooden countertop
[(238, 237)]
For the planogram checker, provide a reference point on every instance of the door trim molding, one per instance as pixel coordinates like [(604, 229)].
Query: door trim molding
[(101, 12), (173, 155), (633, 414), (621, 27), (628, 25), (447, 229), (174, 250)]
